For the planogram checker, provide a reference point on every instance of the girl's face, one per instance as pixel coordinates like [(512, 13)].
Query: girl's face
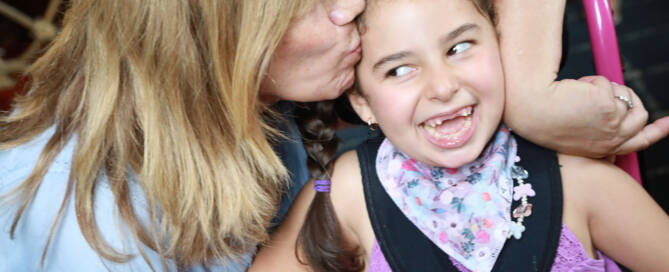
[(431, 76), (316, 58)]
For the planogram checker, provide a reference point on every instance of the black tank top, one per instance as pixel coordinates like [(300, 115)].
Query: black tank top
[(406, 248)]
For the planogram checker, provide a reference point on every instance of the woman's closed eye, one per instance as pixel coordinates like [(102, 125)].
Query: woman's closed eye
[(399, 71), (459, 48)]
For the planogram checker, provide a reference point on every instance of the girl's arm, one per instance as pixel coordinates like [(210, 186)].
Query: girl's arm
[(348, 201), (572, 116), (623, 221)]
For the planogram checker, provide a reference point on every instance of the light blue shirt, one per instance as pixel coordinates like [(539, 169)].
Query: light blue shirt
[(68, 251)]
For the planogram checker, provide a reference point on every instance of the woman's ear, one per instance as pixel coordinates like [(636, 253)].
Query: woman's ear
[(361, 107)]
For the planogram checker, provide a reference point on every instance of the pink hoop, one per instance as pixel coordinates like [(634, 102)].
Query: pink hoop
[(607, 61)]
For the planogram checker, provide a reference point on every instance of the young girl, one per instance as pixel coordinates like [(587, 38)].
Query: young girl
[(450, 188)]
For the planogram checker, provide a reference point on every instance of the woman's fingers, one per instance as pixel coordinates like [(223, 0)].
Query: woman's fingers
[(610, 112), (625, 125), (622, 96), (632, 133), (636, 117), (649, 135)]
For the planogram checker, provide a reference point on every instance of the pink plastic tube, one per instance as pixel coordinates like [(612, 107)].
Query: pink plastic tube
[(607, 60)]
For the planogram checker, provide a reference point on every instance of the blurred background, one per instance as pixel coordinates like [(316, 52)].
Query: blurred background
[(26, 26)]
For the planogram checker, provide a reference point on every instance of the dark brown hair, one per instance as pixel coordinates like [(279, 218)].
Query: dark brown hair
[(321, 239)]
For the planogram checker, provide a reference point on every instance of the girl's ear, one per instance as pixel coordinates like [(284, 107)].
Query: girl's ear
[(361, 107)]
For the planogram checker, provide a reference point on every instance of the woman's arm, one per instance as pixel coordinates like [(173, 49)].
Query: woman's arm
[(623, 221), (572, 116)]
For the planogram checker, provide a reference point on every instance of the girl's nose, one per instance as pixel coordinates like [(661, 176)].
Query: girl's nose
[(442, 85)]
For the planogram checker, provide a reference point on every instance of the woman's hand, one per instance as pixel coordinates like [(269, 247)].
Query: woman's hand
[(579, 117), (617, 128), (583, 117)]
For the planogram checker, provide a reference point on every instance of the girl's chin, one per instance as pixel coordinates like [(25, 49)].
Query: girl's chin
[(456, 158), (454, 161)]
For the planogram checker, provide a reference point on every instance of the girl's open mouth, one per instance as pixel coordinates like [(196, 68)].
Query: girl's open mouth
[(450, 130)]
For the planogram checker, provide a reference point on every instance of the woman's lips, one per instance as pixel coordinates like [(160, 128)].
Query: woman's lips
[(355, 45), (352, 57), (356, 49), (450, 130), (356, 52)]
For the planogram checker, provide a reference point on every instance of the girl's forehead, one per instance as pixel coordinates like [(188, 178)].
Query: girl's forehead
[(387, 15), (390, 27), (483, 7)]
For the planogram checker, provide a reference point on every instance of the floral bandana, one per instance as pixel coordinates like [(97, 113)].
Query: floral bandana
[(464, 211)]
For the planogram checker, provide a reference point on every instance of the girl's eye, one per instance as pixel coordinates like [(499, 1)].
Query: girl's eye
[(459, 48), (399, 71)]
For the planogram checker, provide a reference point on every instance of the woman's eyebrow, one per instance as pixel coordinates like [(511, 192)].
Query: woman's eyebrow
[(457, 32)]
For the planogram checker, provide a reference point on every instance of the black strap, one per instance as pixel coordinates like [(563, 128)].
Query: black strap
[(406, 248)]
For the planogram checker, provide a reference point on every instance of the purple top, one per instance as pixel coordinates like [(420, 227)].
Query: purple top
[(570, 257)]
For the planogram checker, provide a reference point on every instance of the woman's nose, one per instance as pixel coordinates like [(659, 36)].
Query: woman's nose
[(344, 11)]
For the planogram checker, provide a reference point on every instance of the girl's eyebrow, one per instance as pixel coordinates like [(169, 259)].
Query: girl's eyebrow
[(386, 59), (457, 32), (446, 39)]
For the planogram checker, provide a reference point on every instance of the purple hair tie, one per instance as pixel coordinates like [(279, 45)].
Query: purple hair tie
[(322, 185)]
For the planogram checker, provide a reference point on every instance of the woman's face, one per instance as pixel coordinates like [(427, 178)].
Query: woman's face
[(316, 58)]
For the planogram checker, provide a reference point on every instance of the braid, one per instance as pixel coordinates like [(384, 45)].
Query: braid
[(321, 236), (317, 122)]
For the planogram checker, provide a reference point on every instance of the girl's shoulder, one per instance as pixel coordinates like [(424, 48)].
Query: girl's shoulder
[(595, 179), (593, 184), (347, 197), (623, 221), (349, 200)]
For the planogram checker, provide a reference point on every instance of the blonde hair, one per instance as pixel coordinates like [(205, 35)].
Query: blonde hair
[(167, 89)]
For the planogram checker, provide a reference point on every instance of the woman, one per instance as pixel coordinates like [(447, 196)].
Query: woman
[(147, 139), (147, 115)]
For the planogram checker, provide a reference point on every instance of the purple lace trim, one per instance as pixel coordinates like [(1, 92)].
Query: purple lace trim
[(377, 262), (572, 257)]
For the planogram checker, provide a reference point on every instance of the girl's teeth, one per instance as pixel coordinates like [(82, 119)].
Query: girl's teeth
[(430, 128), (433, 123)]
